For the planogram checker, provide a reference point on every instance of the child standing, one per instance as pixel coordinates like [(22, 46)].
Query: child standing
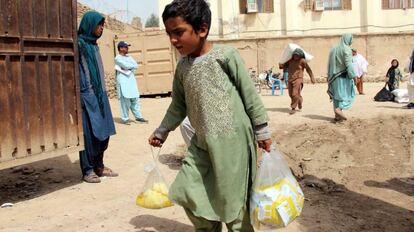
[(394, 75), (212, 87), (296, 66)]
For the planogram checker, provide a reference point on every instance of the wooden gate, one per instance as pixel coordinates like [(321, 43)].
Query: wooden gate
[(156, 61), (39, 89)]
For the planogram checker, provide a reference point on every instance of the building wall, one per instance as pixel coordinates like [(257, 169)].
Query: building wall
[(379, 49), (290, 18)]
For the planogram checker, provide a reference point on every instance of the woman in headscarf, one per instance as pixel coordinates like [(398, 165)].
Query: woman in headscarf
[(341, 74), (97, 119), (296, 66), (410, 84), (394, 76)]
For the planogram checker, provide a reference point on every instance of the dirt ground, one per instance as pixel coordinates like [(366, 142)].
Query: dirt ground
[(357, 176)]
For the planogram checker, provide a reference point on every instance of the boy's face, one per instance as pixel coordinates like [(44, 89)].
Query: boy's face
[(394, 63), (182, 35)]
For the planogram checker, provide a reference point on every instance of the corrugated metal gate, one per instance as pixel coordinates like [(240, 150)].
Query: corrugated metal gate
[(153, 53), (39, 89)]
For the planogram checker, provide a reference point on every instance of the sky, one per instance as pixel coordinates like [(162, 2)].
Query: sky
[(118, 8)]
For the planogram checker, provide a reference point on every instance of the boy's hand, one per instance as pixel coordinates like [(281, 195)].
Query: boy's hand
[(154, 141), (265, 144)]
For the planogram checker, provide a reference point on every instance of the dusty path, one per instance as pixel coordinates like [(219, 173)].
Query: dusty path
[(376, 173)]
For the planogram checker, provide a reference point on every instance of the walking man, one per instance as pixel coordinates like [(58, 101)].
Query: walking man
[(127, 88), (360, 67)]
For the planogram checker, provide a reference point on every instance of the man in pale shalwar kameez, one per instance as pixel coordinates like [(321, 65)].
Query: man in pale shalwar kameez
[(127, 89), (341, 75)]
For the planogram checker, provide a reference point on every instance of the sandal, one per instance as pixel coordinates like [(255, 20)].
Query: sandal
[(340, 115), (91, 178), (106, 172)]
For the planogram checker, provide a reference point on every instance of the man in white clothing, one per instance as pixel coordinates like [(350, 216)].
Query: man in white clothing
[(361, 68), (410, 82)]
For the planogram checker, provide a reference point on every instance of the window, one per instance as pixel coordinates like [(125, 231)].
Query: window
[(263, 6), (329, 4), (397, 4), (337, 4)]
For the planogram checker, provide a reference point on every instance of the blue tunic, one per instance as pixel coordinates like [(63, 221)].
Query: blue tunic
[(102, 127), (126, 84)]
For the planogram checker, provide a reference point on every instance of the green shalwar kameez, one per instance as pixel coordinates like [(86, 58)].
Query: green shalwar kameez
[(341, 73), (218, 96)]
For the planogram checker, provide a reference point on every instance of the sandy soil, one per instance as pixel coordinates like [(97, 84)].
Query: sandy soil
[(357, 176)]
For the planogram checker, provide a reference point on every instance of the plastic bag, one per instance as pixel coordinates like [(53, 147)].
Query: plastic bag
[(276, 198), (401, 95), (287, 53), (384, 95), (154, 194)]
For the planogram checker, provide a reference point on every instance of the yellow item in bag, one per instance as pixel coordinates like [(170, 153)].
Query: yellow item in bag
[(276, 198), (154, 194), (276, 205), (155, 198)]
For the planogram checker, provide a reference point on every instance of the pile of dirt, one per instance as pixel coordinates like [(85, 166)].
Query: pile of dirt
[(333, 160)]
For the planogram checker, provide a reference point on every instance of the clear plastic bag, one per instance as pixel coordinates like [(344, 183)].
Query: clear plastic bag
[(154, 194), (276, 198)]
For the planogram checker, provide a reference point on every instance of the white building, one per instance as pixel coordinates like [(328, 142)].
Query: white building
[(257, 18)]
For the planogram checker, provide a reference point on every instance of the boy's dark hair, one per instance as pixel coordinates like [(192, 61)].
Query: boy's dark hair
[(194, 12)]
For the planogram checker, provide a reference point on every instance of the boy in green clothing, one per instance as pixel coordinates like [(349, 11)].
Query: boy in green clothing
[(212, 87)]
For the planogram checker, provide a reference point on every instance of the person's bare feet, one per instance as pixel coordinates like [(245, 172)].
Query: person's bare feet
[(339, 114)]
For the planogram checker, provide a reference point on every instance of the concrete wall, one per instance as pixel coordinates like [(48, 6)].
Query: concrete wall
[(290, 18), (379, 50)]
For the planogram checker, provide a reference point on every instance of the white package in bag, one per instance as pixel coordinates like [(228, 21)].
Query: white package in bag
[(287, 53), (276, 198), (401, 95)]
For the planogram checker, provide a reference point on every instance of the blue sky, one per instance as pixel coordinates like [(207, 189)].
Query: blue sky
[(118, 8)]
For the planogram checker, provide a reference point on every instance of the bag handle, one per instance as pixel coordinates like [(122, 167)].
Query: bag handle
[(149, 167), (155, 156)]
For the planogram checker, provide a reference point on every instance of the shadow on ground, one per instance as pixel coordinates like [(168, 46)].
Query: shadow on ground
[(149, 223), (333, 207), (36, 179), (282, 110), (173, 161), (397, 107), (402, 185), (319, 117)]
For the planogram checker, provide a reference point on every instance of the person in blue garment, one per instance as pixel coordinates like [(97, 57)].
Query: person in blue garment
[(97, 121), (341, 75), (126, 84)]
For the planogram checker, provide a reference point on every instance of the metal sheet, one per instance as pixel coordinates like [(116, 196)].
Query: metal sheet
[(39, 86)]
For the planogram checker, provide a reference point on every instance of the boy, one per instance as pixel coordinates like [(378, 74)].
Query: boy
[(212, 87), (126, 84), (296, 66)]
